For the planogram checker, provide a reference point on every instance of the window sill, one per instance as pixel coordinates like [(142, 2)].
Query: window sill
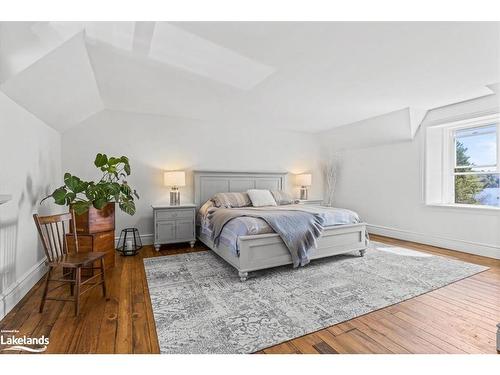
[(485, 209)]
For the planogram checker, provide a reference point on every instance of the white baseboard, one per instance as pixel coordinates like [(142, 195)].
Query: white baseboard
[(470, 247), (20, 288), (146, 239)]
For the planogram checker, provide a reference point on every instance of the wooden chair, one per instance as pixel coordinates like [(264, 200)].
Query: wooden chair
[(53, 233)]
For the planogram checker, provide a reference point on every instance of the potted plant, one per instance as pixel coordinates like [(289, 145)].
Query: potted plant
[(94, 202)]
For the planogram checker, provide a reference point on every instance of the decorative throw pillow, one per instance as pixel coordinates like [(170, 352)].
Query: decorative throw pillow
[(261, 197), (231, 200), (282, 197)]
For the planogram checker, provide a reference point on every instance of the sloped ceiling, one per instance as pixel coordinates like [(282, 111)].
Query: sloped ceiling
[(391, 127), (300, 76), (60, 88)]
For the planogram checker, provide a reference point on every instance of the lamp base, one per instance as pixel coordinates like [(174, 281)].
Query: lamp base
[(175, 197), (303, 193)]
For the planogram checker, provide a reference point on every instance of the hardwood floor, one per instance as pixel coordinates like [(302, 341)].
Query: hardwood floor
[(458, 318)]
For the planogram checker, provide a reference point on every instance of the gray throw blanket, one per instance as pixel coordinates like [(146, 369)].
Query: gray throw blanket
[(299, 230)]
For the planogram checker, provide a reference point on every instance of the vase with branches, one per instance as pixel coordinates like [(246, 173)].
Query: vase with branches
[(330, 175)]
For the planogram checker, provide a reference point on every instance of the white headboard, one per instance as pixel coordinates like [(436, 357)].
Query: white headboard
[(207, 184)]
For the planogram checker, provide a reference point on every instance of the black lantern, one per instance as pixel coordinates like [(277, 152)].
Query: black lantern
[(129, 242)]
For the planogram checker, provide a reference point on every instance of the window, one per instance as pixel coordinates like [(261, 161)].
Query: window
[(463, 163), (476, 175)]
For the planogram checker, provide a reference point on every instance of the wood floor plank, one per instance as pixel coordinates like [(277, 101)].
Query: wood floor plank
[(354, 341), (412, 343), (482, 321), (415, 329), (124, 339), (140, 330), (481, 305), (463, 346), (324, 348), (479, 286), (340, 328), (83, 337), (449, 323), (306, 344), (106, 340), (155, 345), (284, 348), (374, 346), (379, 337), (483, 292)]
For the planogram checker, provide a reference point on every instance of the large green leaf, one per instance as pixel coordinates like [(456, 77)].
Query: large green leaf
[(74, 183), (125, 189), (126, 168), (59, 196), (113, 161), (100, 160), (70, 197), (128, 206), (81, 207), (100, 203), (113, 188)]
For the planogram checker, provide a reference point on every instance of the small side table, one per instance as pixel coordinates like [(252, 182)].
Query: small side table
[(174, 224)]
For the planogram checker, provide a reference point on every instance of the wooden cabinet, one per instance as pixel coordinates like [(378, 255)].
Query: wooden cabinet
[(96, 221), (103, 242), (173, 224), (96, 232)]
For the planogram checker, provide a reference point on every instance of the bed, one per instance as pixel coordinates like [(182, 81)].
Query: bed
[(267, 250)]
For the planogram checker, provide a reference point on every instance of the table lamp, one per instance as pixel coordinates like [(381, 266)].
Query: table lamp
[(303, 180), (174, 179)]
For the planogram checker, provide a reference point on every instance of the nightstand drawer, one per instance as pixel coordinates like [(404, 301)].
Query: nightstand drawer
[(174, 214), (184, 229), (165, 231)]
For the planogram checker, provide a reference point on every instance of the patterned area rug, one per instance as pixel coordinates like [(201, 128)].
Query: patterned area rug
[(200, 306)]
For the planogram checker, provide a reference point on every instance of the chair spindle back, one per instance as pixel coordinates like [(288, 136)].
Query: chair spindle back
[(52, 230)]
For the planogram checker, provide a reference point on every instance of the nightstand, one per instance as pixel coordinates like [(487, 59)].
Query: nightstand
[(174, 224), (314, 202)]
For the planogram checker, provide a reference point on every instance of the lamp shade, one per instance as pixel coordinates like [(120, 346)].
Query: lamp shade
[(174, 178), (303, 179)]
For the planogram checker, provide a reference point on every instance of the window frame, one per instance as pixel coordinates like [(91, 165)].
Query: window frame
[(450, 163)]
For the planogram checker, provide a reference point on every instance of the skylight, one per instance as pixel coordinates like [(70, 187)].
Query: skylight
[(182, 49)]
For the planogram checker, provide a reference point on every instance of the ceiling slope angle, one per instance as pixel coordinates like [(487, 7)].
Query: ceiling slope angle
[(397, 126), (177, 47), (60, 88)]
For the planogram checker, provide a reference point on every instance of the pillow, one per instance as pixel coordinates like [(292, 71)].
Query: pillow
[(261, 198), (282, 197), (231, 200)]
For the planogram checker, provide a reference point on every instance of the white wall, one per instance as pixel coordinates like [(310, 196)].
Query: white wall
[(384, 183), (30, 165), (156, 143)]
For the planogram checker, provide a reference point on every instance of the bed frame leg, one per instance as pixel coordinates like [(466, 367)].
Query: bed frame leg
[(243, 276), (362, 252)]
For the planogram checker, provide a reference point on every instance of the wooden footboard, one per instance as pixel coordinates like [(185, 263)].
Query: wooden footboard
[(268, 250)]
